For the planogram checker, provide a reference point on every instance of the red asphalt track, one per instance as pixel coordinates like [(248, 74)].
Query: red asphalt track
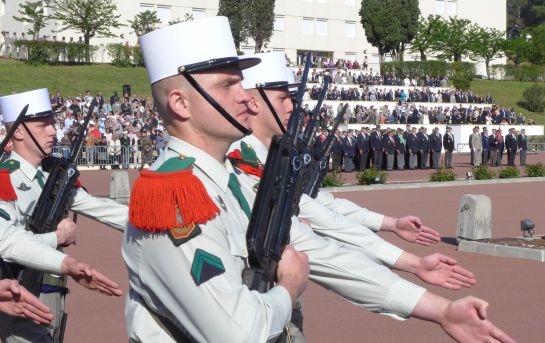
[(513, 287)]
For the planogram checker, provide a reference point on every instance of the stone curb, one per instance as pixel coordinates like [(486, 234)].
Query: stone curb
[(502, 250), (429, 184)]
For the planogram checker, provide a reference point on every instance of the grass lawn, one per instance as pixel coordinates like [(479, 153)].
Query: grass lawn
[(75, 80), (71, 80), (507, 93)]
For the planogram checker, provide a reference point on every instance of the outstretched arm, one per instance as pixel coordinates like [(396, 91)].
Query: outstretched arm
[(89, 278), (436, 269), (465, 320), (18, 302), (410, 228)]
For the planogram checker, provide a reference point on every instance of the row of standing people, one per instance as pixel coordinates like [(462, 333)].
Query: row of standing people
[(489, 149)]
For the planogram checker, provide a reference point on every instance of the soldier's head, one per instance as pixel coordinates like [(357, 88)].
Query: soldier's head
[(268, 84), (195, 79), (34, 138)]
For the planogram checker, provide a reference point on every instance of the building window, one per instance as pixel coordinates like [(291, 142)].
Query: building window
[(145, 7), (440, 7), (349, 29), (198, 13), (308, 26), (350, 2), (279, 23), (163, 13), (451, 8), (321, 27)]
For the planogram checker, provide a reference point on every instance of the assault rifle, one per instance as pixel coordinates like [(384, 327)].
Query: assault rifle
[(3, 153), (270, 222), (52, 205), (318, 171)]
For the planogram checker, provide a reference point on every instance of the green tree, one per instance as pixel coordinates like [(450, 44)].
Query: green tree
[(452, 39), (514, 12), (187, 17), (144, 22), (516, 49), (260, 15), (405, 23), (32, 13), (532, 13), (535, 38), (235, 11), (375, 19), (486, 44), (426, 28), (92, 18)]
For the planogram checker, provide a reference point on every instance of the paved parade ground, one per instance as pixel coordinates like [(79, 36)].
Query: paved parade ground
[(513, 287)]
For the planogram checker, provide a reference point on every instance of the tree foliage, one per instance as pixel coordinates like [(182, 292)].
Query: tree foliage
[(260, 16), (426, 32), (452, 39), (390, 25), (144, 22), (92, 18), (486, 44), (32, 13), (235, 11), (187, 17)]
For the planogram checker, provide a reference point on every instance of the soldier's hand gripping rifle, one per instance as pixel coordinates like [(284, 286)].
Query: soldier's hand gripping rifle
[(270, 222), (52, 205), (3, 153), (319, 170)]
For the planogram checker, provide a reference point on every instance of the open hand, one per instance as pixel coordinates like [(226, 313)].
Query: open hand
[(438, 269), (16, 301), (410, 228), (89, 278)]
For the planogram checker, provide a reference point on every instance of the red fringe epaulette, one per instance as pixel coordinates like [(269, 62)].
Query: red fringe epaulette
[(248, 167), (155, 198), (7, 193)]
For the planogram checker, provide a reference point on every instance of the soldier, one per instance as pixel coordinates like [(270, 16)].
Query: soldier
[(423, 147), (185, 246), (435, 146), (33, 140), (146, 147), (360, 287), (412, 147)]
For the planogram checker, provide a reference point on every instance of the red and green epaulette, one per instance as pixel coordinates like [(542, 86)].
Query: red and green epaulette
[(7, 192), (171, 199), (246, 160)]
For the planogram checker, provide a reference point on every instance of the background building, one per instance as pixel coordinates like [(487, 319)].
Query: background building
[(330, 28)]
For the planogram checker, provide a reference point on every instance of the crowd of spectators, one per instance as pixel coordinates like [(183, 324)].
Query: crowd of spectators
[(123, 132), (8, 49)]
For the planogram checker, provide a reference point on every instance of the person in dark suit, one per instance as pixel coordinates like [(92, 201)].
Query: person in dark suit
[(412, 147), (363, 145), (511, 145), (376, 146), (523, 146), (400, 148), (499, 147), (389, 144), (423, 147), (336, 151), (493, 146), (486, 146), (349, 150), (405, 136), (435, 147), (448, 145)]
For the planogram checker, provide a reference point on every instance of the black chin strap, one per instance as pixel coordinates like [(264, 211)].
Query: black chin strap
[(214, 104), (261, 91), (34, 139)]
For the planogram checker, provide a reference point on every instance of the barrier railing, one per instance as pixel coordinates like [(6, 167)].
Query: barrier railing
[(113, 156)]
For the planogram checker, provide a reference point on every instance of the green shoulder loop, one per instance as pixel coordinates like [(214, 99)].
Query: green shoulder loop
[(248, 153), (176, 163), (10, 165)]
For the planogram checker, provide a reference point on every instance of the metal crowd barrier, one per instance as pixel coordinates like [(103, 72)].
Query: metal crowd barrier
[(121, 156)]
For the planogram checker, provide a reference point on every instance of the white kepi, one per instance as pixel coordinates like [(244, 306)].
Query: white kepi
[(193, 46), (38, 101), (272, 72)]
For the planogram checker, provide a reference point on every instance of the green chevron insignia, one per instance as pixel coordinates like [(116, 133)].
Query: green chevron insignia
[(205, 266), (5, 215)]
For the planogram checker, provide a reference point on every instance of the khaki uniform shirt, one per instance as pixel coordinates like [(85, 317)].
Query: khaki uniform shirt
[(23, 247), (220, 309), (348, 270)]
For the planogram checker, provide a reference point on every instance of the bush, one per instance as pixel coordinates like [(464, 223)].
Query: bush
[(371, 176), (48, 52), (509, 173), (443, 174), (533, 98), (483, 173), (521, 72), (462, 74), (535, 170), (333, 179)]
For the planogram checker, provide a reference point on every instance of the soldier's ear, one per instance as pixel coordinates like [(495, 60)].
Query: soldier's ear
[(178, 103)]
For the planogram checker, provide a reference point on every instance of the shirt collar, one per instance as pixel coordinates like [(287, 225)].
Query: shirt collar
[(217, 172), (26, 167)]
